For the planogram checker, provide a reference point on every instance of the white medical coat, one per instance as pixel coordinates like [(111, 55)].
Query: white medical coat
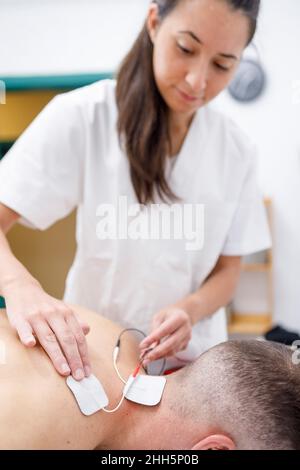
[(70, 157)]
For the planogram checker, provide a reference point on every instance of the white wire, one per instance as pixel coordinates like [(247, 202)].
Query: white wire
[(126, 382), (127, 387), (116, 408), (117, 370), (115, 358)]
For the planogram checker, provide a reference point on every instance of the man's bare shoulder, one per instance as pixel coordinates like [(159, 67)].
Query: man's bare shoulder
[(36, 406), (93, 317)]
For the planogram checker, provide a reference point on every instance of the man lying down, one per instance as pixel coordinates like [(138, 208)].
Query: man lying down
[(238, 395)]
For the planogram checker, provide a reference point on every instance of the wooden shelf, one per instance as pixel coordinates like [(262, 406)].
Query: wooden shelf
[(256, 324), (257, 267)]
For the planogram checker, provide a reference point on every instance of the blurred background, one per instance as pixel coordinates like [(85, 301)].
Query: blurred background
[(50, 46)]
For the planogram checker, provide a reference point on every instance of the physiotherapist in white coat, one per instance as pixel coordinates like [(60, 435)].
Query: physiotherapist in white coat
[(150, 137)]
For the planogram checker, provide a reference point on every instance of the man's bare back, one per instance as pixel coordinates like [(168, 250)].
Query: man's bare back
[(38, 411)]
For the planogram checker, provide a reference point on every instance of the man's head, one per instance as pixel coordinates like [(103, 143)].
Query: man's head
[(239, 395)]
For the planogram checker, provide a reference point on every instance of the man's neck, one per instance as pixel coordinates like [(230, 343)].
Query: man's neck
[(141, 427), (133, 426)]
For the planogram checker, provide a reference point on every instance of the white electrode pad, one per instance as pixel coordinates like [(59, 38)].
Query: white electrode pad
[(89, 394), (146, 390)]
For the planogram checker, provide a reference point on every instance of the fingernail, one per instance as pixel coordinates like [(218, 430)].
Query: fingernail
[(29, 341), (79, 374), (65, 369), (87, 371)]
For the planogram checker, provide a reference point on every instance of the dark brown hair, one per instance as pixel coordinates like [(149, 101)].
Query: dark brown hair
[(143, 115), (250, 388)]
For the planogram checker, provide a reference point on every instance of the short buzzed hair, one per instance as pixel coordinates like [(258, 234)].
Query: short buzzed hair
[(250, 389)]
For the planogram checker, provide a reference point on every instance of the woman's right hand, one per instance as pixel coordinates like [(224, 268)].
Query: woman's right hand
[(35, 315)]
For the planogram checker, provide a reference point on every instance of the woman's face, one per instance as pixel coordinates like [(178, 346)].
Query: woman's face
[(197, 49)]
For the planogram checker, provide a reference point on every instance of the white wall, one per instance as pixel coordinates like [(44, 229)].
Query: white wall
[(80, 36), (274, 123), (66, 36)]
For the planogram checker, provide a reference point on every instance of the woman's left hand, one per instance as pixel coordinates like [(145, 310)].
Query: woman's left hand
[(172, 328)]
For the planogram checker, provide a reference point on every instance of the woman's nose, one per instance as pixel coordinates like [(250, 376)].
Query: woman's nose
[(197, 81)]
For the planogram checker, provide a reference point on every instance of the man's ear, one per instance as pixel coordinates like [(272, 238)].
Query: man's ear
[(215, 442), (153, 20)]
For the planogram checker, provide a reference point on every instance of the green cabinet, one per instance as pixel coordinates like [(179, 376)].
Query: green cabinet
[(4, 147)]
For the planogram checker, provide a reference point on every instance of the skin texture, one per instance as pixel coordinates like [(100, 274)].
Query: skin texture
[(38, 411), (34, 398)]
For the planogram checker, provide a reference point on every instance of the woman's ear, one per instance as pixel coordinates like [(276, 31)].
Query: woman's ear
[(152, 21), (215, 442)]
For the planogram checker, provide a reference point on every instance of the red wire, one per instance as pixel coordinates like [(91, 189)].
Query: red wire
[(136, 370)]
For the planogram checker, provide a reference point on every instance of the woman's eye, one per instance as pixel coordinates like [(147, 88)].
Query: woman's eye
[(221, 67), (184, 50)]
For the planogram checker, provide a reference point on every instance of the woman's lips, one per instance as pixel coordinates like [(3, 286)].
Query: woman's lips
[(188, 97)]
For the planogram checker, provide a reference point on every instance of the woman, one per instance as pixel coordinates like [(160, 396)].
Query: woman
[(151, 138)]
